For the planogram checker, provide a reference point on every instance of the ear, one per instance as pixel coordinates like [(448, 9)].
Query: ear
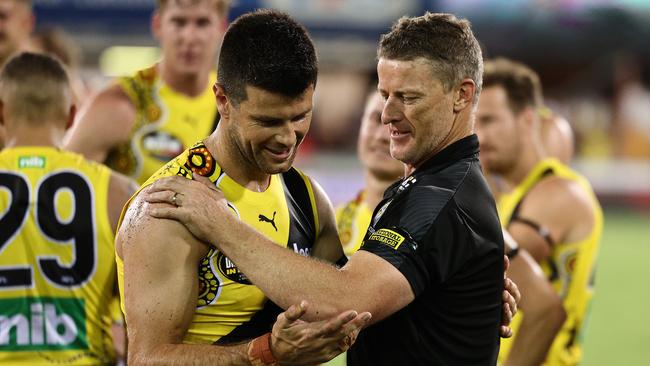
[(529, 116), (223, 102), (2, 114), (464, 95), (71, 115), (156, 24)]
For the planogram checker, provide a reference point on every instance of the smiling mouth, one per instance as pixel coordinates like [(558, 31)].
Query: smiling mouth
[(399, 134), (279, 154)]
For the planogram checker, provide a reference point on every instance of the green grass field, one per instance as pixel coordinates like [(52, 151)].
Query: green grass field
[(618, 332)]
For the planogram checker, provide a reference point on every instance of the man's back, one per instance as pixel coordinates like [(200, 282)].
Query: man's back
[(56, 258), (440, 229)]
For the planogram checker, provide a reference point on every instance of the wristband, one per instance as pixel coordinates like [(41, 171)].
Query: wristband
[(259, 351)]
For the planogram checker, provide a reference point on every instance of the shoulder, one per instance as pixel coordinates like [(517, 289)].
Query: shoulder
[(559, 199), (113, 104)]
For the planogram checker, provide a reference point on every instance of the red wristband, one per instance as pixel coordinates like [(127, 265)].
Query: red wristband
[(259, 351)]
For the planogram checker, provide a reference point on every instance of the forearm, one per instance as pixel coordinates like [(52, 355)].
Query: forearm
[(535, 336), (191, 354), (287, 278)]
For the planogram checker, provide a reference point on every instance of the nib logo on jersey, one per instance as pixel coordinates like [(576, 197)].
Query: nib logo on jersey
[(42, 324)]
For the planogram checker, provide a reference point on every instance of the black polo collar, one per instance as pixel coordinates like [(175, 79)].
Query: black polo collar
[(458, 150)]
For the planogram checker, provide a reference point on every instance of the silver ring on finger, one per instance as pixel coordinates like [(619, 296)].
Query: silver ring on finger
[(175, 199)]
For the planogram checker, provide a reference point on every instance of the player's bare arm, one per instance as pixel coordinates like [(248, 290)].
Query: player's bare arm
[(120, 189), (543, 311), (560, 206), (328, 246), (366, 283), (160, 258), (103, 123)]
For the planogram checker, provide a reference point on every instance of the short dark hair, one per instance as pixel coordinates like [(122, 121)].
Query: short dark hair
[(443, 39), (266, 49), (520, 82), (35, 87)]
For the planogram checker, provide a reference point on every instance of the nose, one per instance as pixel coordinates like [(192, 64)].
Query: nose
[(287, 134), (392, 111)]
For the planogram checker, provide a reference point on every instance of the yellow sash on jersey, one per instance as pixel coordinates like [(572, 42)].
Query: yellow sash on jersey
[(57, 272), (570, 267), (227, 300), (166, 123)]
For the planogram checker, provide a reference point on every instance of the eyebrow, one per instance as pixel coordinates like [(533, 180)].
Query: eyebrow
[(263, 117)]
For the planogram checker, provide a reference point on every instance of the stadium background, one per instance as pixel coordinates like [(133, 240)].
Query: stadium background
[(594, 61)]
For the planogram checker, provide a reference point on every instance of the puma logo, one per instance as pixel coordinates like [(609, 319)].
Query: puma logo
[(270, 221)]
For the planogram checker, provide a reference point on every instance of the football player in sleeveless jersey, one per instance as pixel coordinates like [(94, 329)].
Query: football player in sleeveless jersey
[(141, 122), (59, 215), (188, 303), (548, 208)]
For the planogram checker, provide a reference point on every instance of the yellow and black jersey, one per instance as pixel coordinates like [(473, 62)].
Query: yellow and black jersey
[(570, 266), (352, 221), (229, 308), (166, 123), (57, 271)]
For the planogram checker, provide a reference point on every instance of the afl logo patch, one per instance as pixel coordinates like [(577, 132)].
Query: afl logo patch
[(229, 270)]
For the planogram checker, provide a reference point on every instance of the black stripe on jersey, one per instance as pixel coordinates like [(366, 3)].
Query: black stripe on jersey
[(302, 225), (259, 324)]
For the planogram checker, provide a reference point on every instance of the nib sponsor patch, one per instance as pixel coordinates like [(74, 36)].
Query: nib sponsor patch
[(387, 237), (42, 324)]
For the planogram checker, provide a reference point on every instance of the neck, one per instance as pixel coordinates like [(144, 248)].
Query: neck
[(190, 84), (26, 134), (233, 163), (531, 154), (459, 130), (374, 189)]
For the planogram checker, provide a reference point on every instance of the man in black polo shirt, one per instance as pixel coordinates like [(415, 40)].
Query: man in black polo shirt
[(430, 269)]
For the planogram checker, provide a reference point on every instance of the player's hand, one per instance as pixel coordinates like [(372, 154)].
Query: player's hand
[(197, 204), (511, 297), (297, 342)]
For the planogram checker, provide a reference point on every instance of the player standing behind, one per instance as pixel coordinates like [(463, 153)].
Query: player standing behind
[(549, 209), (59, 213), (16, 24), (140, 123)]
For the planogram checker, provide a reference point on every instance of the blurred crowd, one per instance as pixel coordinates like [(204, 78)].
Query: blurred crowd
[(605, 102)]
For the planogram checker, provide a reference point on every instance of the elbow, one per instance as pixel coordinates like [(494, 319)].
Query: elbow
[(550, 310)]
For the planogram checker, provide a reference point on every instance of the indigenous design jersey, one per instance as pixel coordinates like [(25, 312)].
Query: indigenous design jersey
[(57, 275), (229, 308), (570, 268), (166, 123), (352, 220)]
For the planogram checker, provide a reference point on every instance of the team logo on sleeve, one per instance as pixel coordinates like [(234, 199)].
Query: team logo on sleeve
[(387, 237)]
